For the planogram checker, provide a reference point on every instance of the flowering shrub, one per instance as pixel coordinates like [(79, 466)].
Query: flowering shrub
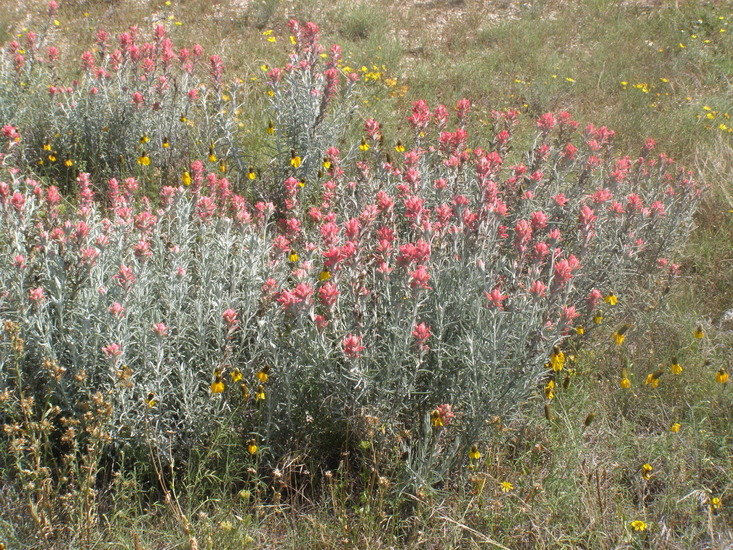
[(427, 292)]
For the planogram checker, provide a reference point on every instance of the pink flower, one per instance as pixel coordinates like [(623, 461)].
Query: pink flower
[(37, 295), (593, 299), (445, 413), (546, 122), (160, 329), (230, 318), (20, 262), (496, 298), (421, 333), (112, 350), (538, 289), (568, 314), (419, 278), (125, 277), (116, 310), (352, 346), (328, 294)]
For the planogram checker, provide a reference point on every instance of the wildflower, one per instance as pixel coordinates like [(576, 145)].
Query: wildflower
[(212, 154), (676, 368), (166, 143), (68, 162), (252, 446), (352, 346), (474, 453), (264, 374), (506, 487), (620, 335), (646, 471), (143, 159), (295, 160), (364, 146), (293, 256), (150, 401), (251, 174), (230, 318), (638, 525), (217, 386), (557, 359), (144, 139), (236, 375), (244, 390), (324, 276), (260, 393), (550, 389), (442, 415), (698, 332), (160, 329), (675, 427), (579, 330), (715, 503), (598, 318), (611, 299), (722, 376), (399, 147), (186, 178), (653, 379), (270, 128)]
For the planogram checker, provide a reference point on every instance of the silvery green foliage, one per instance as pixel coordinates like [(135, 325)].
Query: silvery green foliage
[(427, 293)]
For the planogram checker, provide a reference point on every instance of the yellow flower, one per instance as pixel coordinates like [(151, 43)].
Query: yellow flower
[(698, 332), (326, 163), (252, 446), (474, 453), (293, 256), (399, 147), (270, 128), (579, 330), (144, 159), (324, 276), (236, 375), (295, 161), (722, 376), (436, 420), (47, 146), (557, 359), (212, 156), (186, 178), (68, 162), (611, 299), (646, 471), (638, 525), (251, 174), (625, 383), (506, 487), (675, 427), (260, 394), (676, 368), (144, 139), (598, 318), (263, 375), (364, 145), (52, 157), (715, 503), (217, 386), (653, 379), (550, 389), (151, 401), (620, 335)]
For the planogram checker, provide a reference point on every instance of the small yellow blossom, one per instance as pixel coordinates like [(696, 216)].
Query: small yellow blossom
[(715, 503), (151, 401), (293, 256), (611, 299), (579, 330), (676, 368), (506, 487), (166, 143), (324, 276), (236, 375), (625, 383), (646, 471), (436, 420), (620, 335), (295, 161), (598, 318), (699, 333), (251, 174), (186, 178), (557, 359), (638, 525), (722, 376), (550, 389), (260, 394), (399, 147), (270, 128), (675, 427), (474, 453), (245, 391), (653, 379), (364, 146), (144, 159), (252, 446)]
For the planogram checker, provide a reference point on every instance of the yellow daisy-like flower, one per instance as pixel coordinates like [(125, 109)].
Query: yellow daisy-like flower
[(557, 359), (324, 276), (646, 471), (260, 394), (436, 420), (144, 139), (263, 375), (326, 163), (506, 487), (150, 401), (166, 143), (52, 157), (293, 256), (715, 503), (653, 379), (722, 376), (399, 147), (699, 333), (598, 318), (47, 146), (364, 146), (251, 174), (270, 128), (638, 525), (223, 167), (550, 389), (236, 375), (186, 178), (620, 335), (212, 157), (143, 159), (252, 446), (68, 162), (675, 427), (217, 386), (676, 368), (579, 330), (474, 453), (611, 299), (625, 383)]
